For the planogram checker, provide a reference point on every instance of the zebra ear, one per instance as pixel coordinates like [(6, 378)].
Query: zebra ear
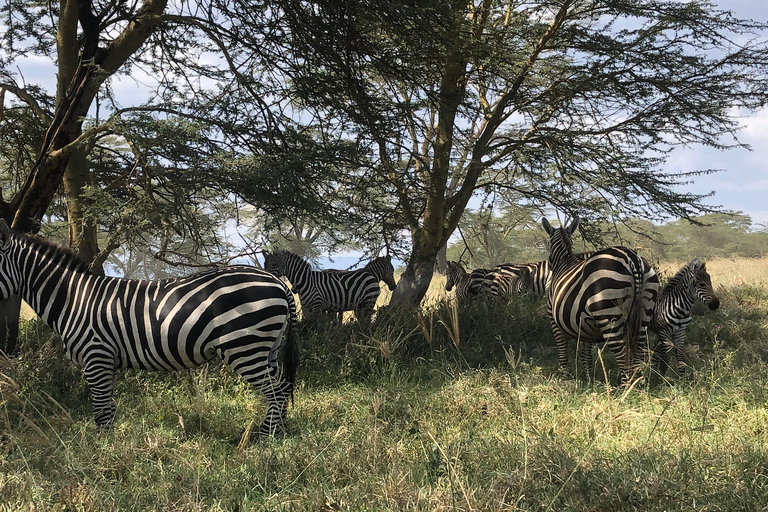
[(547, 227), (696, 264), (5, 235), (574, 225)]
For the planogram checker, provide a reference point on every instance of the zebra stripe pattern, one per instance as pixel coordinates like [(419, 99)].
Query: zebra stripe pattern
[(500, 280), (383, 270), (672, 313), (240, 314), (607, 297), (468, 285), (319, 291)]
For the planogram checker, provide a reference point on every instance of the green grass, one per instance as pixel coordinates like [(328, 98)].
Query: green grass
[(405, 414)]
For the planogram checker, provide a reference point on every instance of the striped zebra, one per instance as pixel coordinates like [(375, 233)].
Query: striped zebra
[(380, 267), (334, 291), (607, 297), (483, 281), (240, 314), (468, 284), (672, 313)]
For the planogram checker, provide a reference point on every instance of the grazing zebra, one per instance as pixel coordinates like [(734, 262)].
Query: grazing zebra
[(606, 297), (333, 291), (468, 284), (512, 278), (483, 281), (672, 313), (240, 314)]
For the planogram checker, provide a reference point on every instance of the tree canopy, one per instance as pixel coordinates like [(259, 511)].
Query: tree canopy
[(367, 120)]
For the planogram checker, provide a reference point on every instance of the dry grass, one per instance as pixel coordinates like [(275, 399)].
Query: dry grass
[(729, 272)]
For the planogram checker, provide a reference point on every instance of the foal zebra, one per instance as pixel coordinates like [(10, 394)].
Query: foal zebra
[(319, 291), (607, 297), (241, 314), (672, 313)]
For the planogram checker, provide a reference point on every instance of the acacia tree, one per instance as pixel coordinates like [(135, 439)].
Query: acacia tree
[(559, 100)]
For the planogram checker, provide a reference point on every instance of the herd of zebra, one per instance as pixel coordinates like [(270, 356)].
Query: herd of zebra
[(247, 316), (609, 296)]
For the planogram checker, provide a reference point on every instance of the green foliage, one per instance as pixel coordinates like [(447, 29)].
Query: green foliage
[(495, 239)]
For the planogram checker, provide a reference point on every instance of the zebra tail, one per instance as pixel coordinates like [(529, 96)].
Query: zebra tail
[(634, 322), (291, 351)]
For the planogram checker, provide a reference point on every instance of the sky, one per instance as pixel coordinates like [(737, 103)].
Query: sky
[(743, 184)]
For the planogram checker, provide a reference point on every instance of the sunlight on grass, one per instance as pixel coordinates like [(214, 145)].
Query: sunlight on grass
[(385, 420)]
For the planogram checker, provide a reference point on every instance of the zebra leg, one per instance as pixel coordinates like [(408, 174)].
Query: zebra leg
[(662, 352), (561, 340), (100, 375), (678, 340), (277, 391), (585, 356)]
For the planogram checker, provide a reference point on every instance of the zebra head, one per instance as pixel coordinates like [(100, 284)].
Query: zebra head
[(9, 284), (274, 263), (382, 268), (703, 283), (560, 240), (524, 282), (455, 273)]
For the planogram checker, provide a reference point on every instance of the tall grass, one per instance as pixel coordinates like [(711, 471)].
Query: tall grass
[(453, 408)]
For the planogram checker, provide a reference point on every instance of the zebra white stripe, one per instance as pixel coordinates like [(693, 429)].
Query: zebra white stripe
[(672, 313), (241, 314), (607, 297), (319, 291)]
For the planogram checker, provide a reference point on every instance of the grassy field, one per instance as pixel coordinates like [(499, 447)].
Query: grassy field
[(453, 409)]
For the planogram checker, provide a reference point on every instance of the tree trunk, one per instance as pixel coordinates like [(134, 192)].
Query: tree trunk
[(82, 231), (414, 282)]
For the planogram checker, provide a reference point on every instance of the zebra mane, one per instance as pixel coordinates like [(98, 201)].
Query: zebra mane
[(63, 256), (676, 280), (289, 256)]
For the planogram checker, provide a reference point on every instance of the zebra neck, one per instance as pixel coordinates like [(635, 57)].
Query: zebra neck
[(49, 288), (561, 262)]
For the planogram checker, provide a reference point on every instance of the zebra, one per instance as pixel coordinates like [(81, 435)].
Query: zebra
[(672, 313), (517, 278), (468, 284), (606, 297), (320, 291), (484, 281), (382, 268), (244, 315)]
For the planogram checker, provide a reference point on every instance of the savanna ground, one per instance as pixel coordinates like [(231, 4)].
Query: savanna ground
[(458, 409)]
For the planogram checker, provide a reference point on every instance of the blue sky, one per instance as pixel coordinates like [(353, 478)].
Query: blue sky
[(743, 185)]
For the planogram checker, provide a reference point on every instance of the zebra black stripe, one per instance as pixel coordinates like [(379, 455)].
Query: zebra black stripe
[(607, 297), (241, 314), (335, 291), (672, 313)]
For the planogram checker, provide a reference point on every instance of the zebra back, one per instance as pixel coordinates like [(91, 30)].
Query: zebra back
[(355, 290)]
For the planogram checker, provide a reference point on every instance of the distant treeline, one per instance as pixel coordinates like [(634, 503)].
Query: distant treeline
[(719, 235)]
